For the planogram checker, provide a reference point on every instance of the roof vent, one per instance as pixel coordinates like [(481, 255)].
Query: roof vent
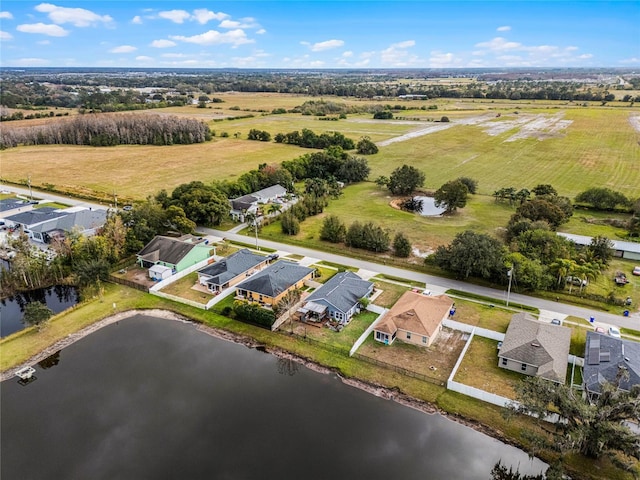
[(626, 359), (535, 344), (605, 356)]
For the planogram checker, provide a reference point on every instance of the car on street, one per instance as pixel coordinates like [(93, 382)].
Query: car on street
[(636, 270), (614, 332)]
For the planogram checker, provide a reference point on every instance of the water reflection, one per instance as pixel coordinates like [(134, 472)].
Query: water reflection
[(429, 208), (150, 398), (57, 298), (287, 366), (50, 361)]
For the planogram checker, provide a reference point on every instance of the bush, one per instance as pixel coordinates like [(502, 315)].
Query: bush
[(252, 313), (401, 246), (290, 224)]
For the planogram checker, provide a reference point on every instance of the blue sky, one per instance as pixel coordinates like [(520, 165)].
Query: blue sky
[(319, 34)]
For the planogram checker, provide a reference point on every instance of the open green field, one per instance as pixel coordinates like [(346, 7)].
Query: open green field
[(569, 146)]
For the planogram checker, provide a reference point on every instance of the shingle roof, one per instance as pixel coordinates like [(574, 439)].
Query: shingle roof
[(244, 202), (269, 192), (86, 219), (35, 216), (343, 291), (416, 313), (7, 204), (543, 345), (165, 249), (605, 356), (229, 268), (275, 279)]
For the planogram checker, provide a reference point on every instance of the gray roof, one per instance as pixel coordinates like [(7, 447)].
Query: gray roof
[(540, 344), (604, 357), (35, 216), (275, 279), (165, 249), (7, 204), (617, 244), (342, 291), (244, 202), (271, 192), (229, 268), (86, 219)]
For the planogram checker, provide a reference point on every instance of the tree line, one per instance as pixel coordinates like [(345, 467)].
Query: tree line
[(109, 130)]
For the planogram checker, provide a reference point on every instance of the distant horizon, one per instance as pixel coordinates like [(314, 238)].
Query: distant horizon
[(320, 35)]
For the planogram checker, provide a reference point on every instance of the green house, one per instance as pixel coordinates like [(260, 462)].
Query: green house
[(175, 253)]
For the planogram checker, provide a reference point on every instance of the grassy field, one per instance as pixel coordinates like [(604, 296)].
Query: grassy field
[(598, 147)]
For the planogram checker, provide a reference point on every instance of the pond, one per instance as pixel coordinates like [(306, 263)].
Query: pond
[(429, 208), (152, 398), (57, 298)]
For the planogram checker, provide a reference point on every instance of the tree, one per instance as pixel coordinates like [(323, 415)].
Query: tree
[(412, 204), (451, 195), (353, 170), (366, 147), (383, 115), (36, 314), (472, 184), (602, 198), (544, 189), (542, 209), (471, 254), (202, 204), (601, 249), (382, 181), (592, 427), (177, 220), (333, 230), (290, 224), (444, 119), (405, 179), (401, 245)]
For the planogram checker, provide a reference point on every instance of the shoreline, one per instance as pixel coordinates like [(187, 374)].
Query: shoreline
[(387, 393)]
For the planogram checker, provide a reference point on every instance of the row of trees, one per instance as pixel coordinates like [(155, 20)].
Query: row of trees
[(309, 139), (109, 130)]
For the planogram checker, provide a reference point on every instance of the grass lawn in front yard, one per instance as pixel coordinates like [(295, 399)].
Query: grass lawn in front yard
[(436, 361), (480, 369), (184, 288), (323, 273), (391, 292), (481, 315)]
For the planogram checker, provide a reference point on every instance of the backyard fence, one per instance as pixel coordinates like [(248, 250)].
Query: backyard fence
[(400, 370), (128, 283)]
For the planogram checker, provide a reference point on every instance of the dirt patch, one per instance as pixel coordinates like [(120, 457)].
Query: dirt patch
[(635, 123), (436, 361)]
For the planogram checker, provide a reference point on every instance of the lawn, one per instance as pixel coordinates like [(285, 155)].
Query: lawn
[(323, 273), (483, 316), (183, 288), (391, 292), (342, 340), (480, 369)]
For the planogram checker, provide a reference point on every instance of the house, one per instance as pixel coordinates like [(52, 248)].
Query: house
[(175, 253), (535, 348), (250, 203), (230, 271), (270, 285), (13, 206), (339, 298), (621, 249), (42, 224), (605, 358), (415, 319)]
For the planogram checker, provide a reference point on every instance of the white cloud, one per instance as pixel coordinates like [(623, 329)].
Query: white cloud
[(137, 20), (44, 29), (44, 42), (326, 45), (347, 54), (174, 55), (176, 16), (439, 59), (144, 58), (213, 37), (78, 17), (202, 15), (243, 23), (162, 43), (262, 31), (397, 55), (586, 56), (5, 35), (30, 62), (6, 15), (504, 28), (499, 44), (123, 49)]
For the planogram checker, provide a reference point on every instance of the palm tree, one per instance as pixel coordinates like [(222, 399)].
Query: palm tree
[(252, 220), (274, 208)]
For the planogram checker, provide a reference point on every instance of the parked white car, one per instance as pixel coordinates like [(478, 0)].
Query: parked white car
[(614, 332)]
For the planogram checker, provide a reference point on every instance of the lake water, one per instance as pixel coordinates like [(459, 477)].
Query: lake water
[(429, 208), (147, 398), (57, 298)]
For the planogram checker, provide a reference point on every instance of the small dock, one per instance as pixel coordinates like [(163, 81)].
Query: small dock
[(25, 373)]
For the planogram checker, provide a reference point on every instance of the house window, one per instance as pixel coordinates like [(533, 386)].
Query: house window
[(424, 339), (523, 367), (260, 298), (504, 362), (408, 335)]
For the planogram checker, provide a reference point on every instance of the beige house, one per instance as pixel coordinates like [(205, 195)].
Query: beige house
[(535, 348), (415, 318)]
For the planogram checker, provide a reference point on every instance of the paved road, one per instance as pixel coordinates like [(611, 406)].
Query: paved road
[(444, 283), (430, 280), (50, 196)]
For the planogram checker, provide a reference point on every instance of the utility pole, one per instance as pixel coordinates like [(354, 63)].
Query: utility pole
[(115, 199), (29, 183), (510, 275)]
